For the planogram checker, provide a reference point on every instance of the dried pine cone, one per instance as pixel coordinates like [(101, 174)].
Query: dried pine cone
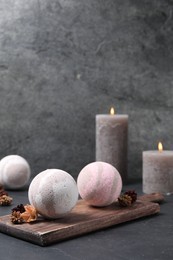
[(125, 200), (16, 217), (5, 200), (132, 194), (128, 198)]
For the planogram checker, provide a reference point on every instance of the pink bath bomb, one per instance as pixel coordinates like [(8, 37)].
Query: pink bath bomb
[(14, 172), (53, 193), (99, 184)]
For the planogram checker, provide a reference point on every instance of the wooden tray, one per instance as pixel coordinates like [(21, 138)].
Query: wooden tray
[(83, 219)]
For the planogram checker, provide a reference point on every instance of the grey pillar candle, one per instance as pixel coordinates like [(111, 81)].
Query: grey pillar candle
[(111, 141), (158, 172)]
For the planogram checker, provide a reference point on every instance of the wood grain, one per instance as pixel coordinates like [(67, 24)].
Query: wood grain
[(83, 219), (153, 197)]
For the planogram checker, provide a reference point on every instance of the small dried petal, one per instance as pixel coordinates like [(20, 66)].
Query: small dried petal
[(125, 200), (5, 200), (30, 214), (16, 217)]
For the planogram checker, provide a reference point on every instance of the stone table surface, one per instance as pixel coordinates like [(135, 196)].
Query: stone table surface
[(146, 238)]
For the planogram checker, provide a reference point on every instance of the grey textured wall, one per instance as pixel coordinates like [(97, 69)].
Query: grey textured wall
[(62, 62)]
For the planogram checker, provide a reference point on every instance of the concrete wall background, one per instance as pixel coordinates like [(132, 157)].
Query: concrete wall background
[(62, 62)]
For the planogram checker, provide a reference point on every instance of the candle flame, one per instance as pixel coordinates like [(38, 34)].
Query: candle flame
[(160, 147), (112, 111)]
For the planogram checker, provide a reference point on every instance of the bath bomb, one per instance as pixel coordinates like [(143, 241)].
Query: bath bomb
[(14, 172), (99, 184), (53, 193)]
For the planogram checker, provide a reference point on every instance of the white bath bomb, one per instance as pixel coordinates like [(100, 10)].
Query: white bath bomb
[(99, 184), (53, 193), (14, 172)]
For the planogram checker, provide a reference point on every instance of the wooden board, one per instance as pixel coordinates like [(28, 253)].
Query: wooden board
[(83, 219)]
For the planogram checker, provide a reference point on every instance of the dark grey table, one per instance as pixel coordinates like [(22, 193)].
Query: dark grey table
[(146, 238)]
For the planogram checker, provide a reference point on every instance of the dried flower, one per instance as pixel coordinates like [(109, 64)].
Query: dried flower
[(16, 217), (21, 214), (128, 198), (30, 214), (19, 208), (5, 200), (125, 200), (132, 194)]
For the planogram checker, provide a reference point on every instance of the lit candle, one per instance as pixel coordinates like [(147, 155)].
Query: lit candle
[(111, 140), (158, 171)]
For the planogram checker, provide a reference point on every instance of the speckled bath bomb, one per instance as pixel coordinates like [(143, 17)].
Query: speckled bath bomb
[(53, 193), (99, 184), (14, 172)]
